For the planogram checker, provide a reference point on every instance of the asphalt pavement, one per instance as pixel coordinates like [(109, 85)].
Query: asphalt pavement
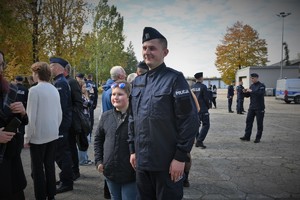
[(228, 168)]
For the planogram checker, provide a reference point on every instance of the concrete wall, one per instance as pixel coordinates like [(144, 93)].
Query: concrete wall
[(267, 75)]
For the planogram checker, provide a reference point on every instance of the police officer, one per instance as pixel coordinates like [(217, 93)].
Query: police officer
[(92, 89), (256, 108), (22, 95), (230, 94), (141, 68), (63, 155), (240, 98), (202, 94), (162, 125), (75, 129)]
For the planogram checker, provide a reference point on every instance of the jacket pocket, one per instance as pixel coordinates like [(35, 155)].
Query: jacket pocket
[(162, 103)]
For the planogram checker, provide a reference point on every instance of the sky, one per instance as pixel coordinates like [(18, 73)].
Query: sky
[(194, 28)]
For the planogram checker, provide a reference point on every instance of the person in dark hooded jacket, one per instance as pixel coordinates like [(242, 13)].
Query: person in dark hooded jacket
[(111, 146)]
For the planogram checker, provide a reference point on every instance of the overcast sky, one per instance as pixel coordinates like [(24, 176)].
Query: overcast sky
[(194, 28)]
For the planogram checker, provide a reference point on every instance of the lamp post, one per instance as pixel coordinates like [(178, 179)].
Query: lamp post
[(283, 15)]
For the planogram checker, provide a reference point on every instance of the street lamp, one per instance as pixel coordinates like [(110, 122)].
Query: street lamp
[(283, 15)]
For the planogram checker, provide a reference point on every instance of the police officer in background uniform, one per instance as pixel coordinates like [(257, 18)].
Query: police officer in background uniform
[(201, 92), (92, 89), (63, 153), (22, 95), (230, 94), (240, 98), (75, 129), (162, 124), (256, 108)]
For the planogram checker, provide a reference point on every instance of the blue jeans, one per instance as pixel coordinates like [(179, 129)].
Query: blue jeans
[(120, 191), (83, 156)]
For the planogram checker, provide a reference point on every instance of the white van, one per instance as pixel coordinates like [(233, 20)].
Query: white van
[(288, 90)]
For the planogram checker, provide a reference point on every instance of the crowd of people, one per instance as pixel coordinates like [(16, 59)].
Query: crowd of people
[(142, 144)]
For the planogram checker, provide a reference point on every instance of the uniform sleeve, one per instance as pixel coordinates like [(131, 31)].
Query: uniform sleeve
[(63, 91), (31, 113), (186, 118), (76, 94), (131, 135)]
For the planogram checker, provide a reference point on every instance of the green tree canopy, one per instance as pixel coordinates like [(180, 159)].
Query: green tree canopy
[(241, 47)]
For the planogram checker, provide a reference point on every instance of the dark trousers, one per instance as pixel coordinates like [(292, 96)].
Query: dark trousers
[(214, 101), (64, 161), (205, 122), (157, 186), (16, 196), (229, 104), (259, 114), (43, 169), (74, 151), (239, 105), (92, 119)]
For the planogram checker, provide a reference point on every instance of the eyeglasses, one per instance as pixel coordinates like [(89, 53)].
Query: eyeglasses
[(120, 85)]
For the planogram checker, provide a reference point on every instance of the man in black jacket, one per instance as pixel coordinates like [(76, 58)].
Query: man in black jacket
[(162, 125), (230, 94), (77, 104), (63, 155), (256, 108)]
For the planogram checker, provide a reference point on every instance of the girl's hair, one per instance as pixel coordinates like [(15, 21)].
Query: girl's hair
[(43, 70), (126, 87)]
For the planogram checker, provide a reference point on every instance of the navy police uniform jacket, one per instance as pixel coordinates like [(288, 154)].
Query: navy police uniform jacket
[(163, 120), (257, 96), (239, 92), (93, 96), (22, 94), (230, 91), (61, 84), (201, 92)]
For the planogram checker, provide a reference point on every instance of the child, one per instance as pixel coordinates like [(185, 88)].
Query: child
[(111, 146)]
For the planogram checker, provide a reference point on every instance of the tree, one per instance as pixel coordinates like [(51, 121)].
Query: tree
[(131, 59), (108, 45), (241, 47)]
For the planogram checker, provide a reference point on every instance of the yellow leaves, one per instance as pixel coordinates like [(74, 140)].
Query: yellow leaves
[(241, 47)]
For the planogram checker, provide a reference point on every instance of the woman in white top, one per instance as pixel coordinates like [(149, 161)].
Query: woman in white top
[(44, 115)]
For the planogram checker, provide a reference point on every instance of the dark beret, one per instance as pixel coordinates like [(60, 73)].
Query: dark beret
[(150, 33), (80, 75), (143, 65), (198, 75), (60, 61), (254, 75), (19, 78)]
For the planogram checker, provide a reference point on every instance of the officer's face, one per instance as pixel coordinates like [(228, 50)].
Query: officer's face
[(154, 53), (254, 79), (119, 99)]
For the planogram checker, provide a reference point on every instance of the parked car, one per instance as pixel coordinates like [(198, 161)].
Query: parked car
[(288, 90)]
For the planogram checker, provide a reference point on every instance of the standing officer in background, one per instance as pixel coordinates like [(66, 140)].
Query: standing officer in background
[(256, 108), (92, 89), (230, 94), (63, 153), (142, 68), (201, 92), (162, 123), (22, 95), (75, 129), (240, 98)]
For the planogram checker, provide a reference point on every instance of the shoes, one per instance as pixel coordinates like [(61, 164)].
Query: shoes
[(200, 144), (186, 183), (256, 140), (245, 139), (76, 176), (240, 113), (87, 163), (64, 188), (231, 111)]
